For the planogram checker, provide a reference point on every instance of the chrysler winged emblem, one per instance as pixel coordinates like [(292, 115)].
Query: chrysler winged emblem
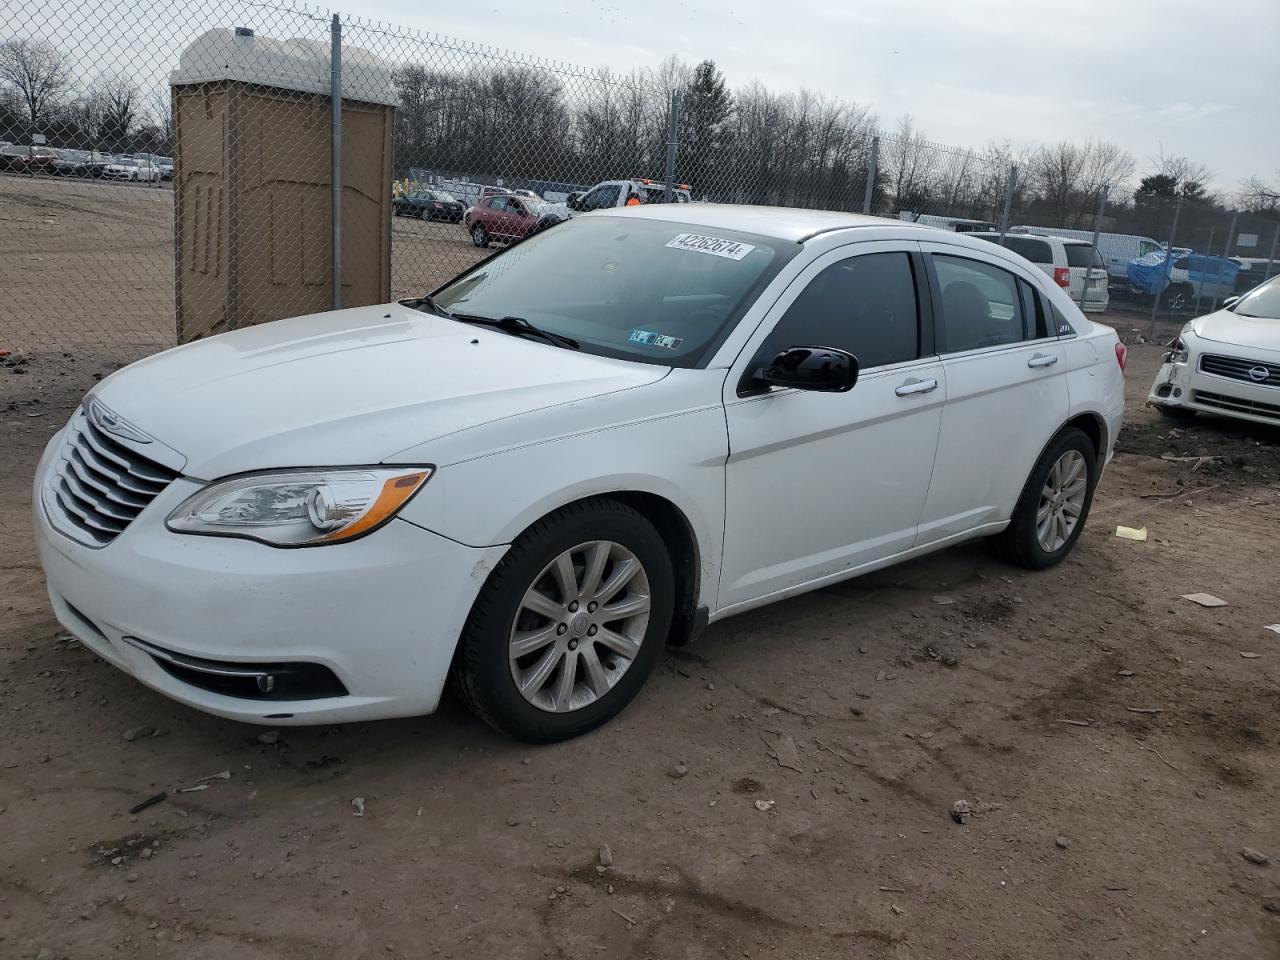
[(104, 418)]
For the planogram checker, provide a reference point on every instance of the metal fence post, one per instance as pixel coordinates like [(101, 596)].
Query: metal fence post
[(1207, 246), (1226, 252), (1168, 265), (672, 128), (1008, 201), (1097, 227), (335, 172), (872, 162), (1272, 257)]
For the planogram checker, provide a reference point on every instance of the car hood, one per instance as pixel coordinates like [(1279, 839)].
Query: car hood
[(1227, 327), (347, 387)]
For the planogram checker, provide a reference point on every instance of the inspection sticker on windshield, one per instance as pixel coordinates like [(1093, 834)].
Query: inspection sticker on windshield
[(651, 339), (716, 246)]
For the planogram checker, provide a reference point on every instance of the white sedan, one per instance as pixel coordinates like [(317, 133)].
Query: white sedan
[(595, 443), (1227, 362), (131, 169)]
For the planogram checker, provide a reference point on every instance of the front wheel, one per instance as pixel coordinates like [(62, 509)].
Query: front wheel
[(1178, 297), (569, 624), (479, 236), (1054, 505)]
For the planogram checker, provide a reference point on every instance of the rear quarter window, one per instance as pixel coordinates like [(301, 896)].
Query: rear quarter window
[(1081, 255)]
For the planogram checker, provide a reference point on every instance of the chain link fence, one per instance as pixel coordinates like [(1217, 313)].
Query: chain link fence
[(442, 150)]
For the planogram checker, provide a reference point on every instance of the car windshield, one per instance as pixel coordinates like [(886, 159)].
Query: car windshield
[(444, 197), (1262, 301), (646, 290)]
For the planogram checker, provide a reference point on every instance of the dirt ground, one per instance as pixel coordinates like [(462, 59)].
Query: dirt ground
[(87, 264), (1117, 747)]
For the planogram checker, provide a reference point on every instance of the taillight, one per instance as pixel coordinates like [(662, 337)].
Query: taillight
[(1062, 276), (1122, 355)]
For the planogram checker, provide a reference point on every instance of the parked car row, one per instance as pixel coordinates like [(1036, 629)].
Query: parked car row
[(426, 204), (70, 162)]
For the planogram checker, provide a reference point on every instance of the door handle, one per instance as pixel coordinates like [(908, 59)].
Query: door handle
[(916, 386), (1042, 360)]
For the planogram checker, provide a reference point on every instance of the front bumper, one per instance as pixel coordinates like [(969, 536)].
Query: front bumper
[(1184, 385), (380, 614)]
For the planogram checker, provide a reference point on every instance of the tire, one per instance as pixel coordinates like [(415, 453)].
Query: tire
[(1024, 542), (1179, 296), (479, 236), (485, 671)]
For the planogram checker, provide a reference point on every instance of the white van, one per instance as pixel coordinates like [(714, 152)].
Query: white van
[(1117, 249)]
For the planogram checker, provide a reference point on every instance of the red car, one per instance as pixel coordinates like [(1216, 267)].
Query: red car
[(19, 158), (509, 218)]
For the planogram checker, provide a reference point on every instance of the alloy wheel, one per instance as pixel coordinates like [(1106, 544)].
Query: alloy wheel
[(1062, 501), (579, 626)]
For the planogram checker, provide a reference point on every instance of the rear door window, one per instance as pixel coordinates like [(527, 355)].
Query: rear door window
[(865, 305), (1037, 251), (981, 306), (1082, 255)]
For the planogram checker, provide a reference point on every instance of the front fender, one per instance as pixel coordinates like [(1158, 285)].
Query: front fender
[(490, 500)]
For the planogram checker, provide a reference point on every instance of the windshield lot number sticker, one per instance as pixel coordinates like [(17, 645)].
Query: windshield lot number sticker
[(717, 247), (650, 339)]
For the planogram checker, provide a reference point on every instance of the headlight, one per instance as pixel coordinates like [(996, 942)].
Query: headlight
[(1178, 346), (299, 508)]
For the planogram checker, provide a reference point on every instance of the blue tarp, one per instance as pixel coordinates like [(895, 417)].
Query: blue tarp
[(1149, 274)]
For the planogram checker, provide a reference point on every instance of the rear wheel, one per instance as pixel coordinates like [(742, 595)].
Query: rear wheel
[(1054, 505), (479, 236), (569, 624)]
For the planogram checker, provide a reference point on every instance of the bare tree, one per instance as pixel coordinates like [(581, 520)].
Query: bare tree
[(116, 101), (1260, 196), (906, 164), (1190, 177), (1106, 167), (161, 106), (1057, 171), (39, 72)]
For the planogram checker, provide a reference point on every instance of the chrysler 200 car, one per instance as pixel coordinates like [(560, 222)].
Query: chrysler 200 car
[(591, 445)]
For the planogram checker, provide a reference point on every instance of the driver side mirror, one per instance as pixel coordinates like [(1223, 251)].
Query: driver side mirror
[(1229, 301), (824, 369)]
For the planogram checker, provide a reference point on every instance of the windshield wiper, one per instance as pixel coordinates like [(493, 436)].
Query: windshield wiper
[(521, 327), (427, 305)]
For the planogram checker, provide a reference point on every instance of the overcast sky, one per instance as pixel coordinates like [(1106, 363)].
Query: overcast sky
[(1194, 78)]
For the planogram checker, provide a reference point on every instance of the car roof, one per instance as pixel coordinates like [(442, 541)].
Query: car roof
[(781, 223)]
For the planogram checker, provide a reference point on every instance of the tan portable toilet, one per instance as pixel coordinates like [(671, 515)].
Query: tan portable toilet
[(252, 125)]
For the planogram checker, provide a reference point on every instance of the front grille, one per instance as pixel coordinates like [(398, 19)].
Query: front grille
[(1236, 405), (1238, 369), (98, 485)]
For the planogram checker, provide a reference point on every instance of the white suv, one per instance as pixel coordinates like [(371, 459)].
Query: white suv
[(1071, 263), (581, 449)]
